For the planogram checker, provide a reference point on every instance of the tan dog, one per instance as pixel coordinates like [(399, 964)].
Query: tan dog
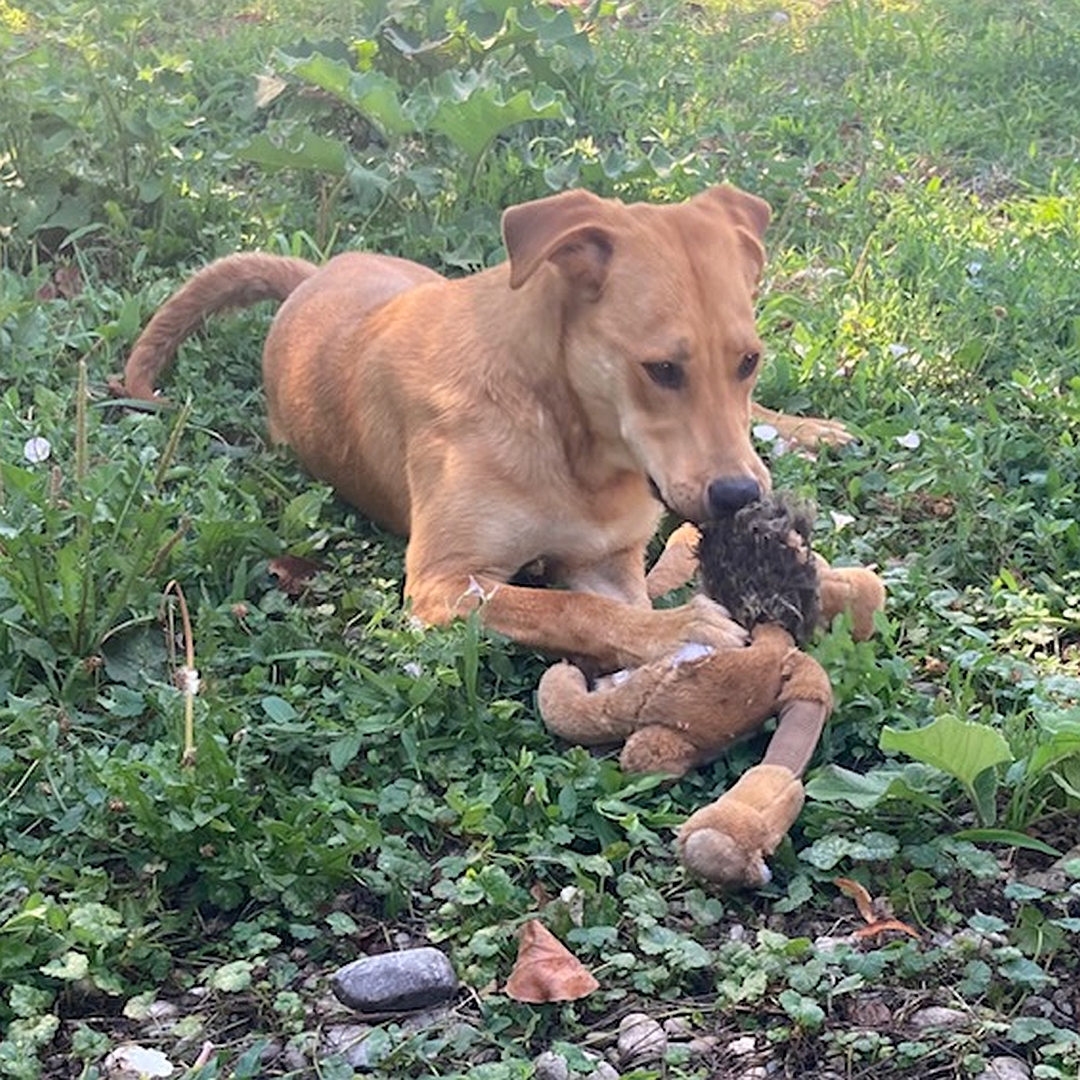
[(534, 413)]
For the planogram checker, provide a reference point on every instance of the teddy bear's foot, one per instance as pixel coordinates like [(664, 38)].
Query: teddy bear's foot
[(729, 840)]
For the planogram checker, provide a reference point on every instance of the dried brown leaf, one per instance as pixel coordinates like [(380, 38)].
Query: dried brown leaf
[(861, 897), (546, 970), (881, 926), (293, 573)]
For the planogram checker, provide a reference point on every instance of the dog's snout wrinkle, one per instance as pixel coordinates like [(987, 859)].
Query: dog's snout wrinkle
[(732, 493)]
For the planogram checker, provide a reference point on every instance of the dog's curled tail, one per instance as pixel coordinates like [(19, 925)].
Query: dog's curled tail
[(234, 281)]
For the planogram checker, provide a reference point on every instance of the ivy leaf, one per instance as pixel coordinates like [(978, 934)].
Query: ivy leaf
[(232, 977), (70, 967), (806, 1012)]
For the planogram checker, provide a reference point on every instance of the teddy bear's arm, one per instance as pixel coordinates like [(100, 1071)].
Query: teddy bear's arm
[(677, 563), (854, 589)]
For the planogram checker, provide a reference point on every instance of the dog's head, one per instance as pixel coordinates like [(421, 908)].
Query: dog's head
[(658, 331)]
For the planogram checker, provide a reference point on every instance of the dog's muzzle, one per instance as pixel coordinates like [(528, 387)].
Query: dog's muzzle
[(732, 493)]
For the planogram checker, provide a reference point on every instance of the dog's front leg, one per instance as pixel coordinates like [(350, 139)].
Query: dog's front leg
[(610, 632)]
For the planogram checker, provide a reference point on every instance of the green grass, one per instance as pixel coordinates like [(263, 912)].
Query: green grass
[(359, 783)]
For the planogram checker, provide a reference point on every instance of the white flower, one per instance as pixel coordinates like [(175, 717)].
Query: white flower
[(187, 679), (37, 450), (765, 432), (840, 521), (911, 441)]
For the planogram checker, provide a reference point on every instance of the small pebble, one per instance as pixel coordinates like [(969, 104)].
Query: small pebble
[(350, 1041), (678, 1027), (603, 1071), (937, 1016), (641, 1039), (551, 1066), (1005, 1068), (702, 1045)]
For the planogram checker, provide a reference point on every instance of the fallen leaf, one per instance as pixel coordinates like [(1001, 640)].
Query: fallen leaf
[(546, 970), (875, 925), (293, 573), (861, 897)]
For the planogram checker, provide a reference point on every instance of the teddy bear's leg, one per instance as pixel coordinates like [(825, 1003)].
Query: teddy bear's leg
[(586, 717), (797, 733), (729, 840), (659, 749), (853, 589), (677, 563), (804, 704)]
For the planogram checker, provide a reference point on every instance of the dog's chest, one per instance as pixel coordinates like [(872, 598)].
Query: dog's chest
[(587, 532)]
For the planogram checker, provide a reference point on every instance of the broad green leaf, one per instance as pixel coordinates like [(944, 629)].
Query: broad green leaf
[(1009, 837), (300, 148), (960, 748), (343, 750), (911, 783), (984, 795), (371, 93), (471, 115), (1056, 749), (827, 852), (278, 709), (232, 977), (804, 1011)]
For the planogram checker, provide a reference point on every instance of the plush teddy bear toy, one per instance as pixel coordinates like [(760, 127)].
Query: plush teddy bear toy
[(685, 709)]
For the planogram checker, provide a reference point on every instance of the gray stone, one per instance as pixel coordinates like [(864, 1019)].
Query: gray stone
[(641, 1039), (678, 1027), (1005, 1068), (756, 1072), (937, 1016), (396, 982)]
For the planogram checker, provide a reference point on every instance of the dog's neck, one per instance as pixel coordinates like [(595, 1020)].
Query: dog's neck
[(535, 325)]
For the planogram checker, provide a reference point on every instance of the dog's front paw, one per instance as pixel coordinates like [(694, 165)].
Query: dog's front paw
[(811, 431), (705, 622)]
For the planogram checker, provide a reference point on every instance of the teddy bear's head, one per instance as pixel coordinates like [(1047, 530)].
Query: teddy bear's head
[(758, 563)]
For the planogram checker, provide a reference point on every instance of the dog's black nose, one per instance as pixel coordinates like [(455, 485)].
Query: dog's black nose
[(731, 494)]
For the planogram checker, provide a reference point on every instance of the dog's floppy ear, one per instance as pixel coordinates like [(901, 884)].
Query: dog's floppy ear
[(567, 229), (749, 214)]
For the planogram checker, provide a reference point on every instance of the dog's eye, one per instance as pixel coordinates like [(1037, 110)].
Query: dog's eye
[(665, 373), (748, 364)]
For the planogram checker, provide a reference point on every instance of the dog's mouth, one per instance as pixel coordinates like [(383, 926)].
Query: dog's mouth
[(658, 495)]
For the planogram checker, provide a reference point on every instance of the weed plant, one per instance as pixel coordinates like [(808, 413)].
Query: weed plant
[(358, 783)]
